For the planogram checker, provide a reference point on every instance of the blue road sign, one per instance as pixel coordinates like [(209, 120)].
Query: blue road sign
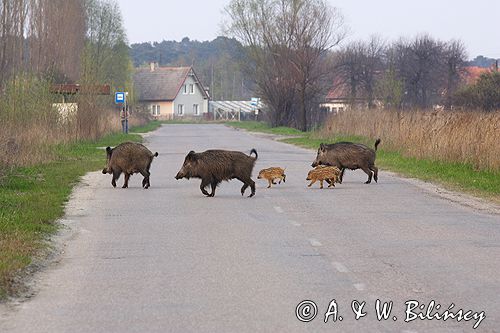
[(119, 97)]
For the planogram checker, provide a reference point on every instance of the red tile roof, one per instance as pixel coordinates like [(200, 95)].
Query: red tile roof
[(472, 73)]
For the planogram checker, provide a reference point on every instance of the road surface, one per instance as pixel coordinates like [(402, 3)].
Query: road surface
[(169, 259)]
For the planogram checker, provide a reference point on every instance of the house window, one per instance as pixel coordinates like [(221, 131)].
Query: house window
[(196, 110), (185, 89), (180, 110), (191, 88), (155, 110)]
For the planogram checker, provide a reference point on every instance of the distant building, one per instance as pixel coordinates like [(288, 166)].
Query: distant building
[(171, 92), (472, 73), (338, 100)]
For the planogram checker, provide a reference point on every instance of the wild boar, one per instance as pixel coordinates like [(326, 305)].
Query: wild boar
[(214, 166), (272, 174), (348, 155), (129, 158), (330, 174)]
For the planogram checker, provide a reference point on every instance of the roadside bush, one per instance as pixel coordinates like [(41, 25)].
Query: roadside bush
[(485, 94)]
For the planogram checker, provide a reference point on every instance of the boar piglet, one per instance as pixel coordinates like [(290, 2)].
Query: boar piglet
[(348, 155), (129, 158), (214, 166), (271, 174)]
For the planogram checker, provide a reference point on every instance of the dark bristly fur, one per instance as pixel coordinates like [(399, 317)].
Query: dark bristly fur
[(215, 166), (348, 155), (129, 158)]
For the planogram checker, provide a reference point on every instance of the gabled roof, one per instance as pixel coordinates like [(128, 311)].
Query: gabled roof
[(162, 83)]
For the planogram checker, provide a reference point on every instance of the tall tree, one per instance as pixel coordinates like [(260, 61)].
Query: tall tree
[(287, 41), (358, 65)]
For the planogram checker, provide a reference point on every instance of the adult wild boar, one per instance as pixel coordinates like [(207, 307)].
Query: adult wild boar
[(214, 166), (129, 158), (348, 155)]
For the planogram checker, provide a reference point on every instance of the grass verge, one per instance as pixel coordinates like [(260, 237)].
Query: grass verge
[(455, 176), (256, 126), (32, 199)]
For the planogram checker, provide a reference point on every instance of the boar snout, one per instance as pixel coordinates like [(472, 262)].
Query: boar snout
[(314, 164), (179, 175), (104, 171)]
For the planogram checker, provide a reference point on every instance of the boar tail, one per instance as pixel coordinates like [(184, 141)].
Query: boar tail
[(377, 143), (253, 151), (155, 154)]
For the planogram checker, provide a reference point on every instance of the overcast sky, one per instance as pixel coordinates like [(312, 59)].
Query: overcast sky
[(474, 22)]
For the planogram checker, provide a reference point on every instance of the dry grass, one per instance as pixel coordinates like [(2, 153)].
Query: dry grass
[(458, 136), (30, 143), (30, 126)]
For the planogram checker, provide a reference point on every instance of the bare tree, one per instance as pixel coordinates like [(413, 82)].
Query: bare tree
[(455, 60), (419, 64), (287, 41), (358, 65)]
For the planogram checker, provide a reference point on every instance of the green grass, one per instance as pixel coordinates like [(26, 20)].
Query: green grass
[(151, 126), (455, 176), (262, 127), (32, 198)]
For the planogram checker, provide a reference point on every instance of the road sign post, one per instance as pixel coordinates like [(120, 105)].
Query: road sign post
[(121, 98)]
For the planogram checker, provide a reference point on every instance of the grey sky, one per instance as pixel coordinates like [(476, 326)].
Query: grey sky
[(474, 22)]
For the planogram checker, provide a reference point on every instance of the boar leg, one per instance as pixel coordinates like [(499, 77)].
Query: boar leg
[(125, 183), (116, 175), (214, 186), (246, 183), (284, 178), (145, 181), (369, 173), (331, 182), (375, 173), (244, 188), (204, 183), (341, 177), (252, 186), (270, 182), (321, 184)]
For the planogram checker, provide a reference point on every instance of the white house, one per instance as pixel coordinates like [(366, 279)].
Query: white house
[(171, 92)]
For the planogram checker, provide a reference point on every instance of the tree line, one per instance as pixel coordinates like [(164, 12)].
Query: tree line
[(409, 73), (295, 57)]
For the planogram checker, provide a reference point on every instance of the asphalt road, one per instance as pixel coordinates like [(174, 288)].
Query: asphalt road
[(169, 259)]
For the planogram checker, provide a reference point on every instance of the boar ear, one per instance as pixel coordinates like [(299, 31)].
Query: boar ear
[(109, 151), (191, 155), (322, 147)]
